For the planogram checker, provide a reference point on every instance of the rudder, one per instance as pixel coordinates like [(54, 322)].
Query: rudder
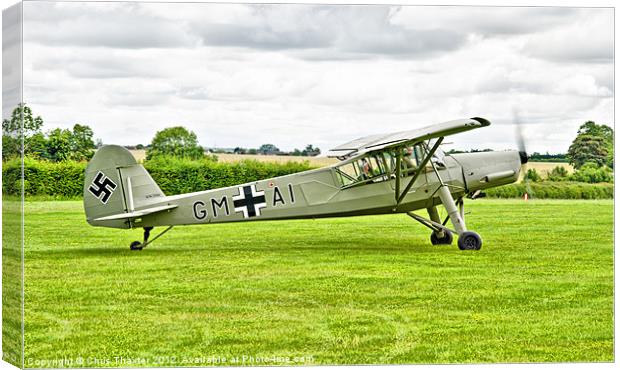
[(115, 183)]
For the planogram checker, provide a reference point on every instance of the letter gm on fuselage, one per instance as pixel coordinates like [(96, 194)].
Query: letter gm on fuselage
[(249, 201)]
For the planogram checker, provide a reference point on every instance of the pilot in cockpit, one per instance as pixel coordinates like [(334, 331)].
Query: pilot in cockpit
[(409, 162), (366, 173)]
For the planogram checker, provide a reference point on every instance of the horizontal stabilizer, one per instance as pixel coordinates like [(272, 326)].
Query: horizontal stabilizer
[(136, 214)]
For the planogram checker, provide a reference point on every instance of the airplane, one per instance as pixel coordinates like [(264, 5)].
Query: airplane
[(379, 174)]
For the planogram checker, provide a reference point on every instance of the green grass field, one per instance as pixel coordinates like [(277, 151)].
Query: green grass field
[(365, 290)]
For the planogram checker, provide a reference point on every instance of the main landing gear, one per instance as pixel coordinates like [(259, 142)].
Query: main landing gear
[(469, 240), (438, 239), (442, 235), (137, 246)]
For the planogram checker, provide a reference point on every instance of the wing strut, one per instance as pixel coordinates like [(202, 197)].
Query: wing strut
[(400, 196)]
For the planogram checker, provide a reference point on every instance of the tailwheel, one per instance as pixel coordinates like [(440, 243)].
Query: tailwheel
[(469, 241), (446, 239), (135, 246)]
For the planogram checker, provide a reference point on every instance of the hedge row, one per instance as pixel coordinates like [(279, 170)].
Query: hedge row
[(554, 190), (64, 179), (174, 176), (177, 176)]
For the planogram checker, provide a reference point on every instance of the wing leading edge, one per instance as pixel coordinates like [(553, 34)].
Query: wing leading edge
[(378, 142)]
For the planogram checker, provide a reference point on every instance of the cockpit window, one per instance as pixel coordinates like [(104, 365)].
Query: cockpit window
[(347, 174), (369, 168), (439, 155), (381, 166)]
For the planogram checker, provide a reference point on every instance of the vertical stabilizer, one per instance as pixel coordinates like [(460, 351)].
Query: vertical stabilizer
[(115, 183)]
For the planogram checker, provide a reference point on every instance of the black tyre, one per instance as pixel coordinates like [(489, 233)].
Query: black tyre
[(470, 241), (445, 240), (135, 246)]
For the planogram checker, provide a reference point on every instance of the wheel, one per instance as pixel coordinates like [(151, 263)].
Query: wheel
[(446, 240), (470, 241), (135, 246)]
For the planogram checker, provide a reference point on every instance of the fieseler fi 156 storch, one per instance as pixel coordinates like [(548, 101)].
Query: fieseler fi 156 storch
[(379, 174)]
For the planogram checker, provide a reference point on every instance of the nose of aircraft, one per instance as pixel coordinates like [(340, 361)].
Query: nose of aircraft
[(482, 170)]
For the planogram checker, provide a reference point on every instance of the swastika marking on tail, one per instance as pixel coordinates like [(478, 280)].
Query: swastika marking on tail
[(102, 187)]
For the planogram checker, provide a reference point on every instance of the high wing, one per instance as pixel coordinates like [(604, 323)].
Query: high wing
[(382, 141)]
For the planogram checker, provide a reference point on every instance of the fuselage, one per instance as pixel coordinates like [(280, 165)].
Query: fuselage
[(320, 193)]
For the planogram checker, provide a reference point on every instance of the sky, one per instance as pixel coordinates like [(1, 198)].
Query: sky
[(292, 75)]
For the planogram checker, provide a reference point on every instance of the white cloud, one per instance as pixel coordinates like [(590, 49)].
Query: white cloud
[(488, 21), (242, 75), (111, 25), (582, 84), (589, 38)]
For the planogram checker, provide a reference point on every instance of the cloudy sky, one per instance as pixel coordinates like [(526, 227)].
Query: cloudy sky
[(244, 75)]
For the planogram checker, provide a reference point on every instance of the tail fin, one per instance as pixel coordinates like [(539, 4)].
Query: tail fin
[(115, 183)]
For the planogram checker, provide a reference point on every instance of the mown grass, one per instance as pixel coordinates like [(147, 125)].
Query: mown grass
[(365, 290)]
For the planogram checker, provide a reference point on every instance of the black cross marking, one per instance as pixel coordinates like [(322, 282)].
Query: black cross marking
[(249, 201), (102, 187)]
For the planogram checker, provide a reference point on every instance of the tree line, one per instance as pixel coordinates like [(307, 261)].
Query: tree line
[(270, 149), (78, 144), (592, 147), (56, 145)]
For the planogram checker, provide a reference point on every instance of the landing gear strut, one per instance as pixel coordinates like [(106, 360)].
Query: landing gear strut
[(439, 236), (137, 246), (468, 240), (442, 235)]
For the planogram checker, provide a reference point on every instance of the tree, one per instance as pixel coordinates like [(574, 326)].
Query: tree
[(532, 175), (538, 157), (588, 148), (591, 128), (594, 143), (311, 151), (177, 142), (11, 147), (593, 173), (12, 128), (64, 144), (268, 149), (37, 146), (59, 145), (82, 144), (558, 173)]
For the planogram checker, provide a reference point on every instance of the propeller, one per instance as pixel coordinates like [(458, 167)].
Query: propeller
[(522, 149)]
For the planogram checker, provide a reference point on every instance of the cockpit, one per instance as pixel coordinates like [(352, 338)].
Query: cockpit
[(381, 165)]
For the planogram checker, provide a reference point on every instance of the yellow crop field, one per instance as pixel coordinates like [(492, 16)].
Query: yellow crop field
[(543, 168), (140, 155), (314, 161)]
